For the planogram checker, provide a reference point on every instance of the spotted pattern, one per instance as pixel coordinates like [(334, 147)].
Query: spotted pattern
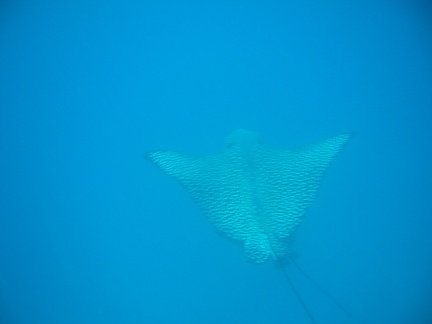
[(253, 193)]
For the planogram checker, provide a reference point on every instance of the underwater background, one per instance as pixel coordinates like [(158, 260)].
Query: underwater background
[(92, 232)]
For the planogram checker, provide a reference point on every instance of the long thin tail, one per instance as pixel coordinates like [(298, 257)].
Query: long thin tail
[(325, 292), (299, 297)]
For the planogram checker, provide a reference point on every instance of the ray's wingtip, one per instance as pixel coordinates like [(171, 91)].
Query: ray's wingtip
[(346, 136)]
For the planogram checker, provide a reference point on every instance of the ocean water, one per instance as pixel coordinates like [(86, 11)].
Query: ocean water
[(92, 232)]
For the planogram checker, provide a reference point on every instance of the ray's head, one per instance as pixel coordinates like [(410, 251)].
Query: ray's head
[(244, 139)]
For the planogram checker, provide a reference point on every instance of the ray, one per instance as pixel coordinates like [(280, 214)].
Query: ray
[(254, 193)]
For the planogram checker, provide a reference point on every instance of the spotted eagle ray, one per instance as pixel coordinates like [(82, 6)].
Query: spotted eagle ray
[(253, 193)]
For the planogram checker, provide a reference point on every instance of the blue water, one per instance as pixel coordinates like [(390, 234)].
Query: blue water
[(91, 232)]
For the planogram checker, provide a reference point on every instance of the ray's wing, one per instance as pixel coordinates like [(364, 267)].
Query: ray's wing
[(289, 180), (256, 195), (219, 186)]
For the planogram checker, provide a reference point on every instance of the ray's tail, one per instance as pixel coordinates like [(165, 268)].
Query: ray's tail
[(297, 294), (283, 269), (323, 291)]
